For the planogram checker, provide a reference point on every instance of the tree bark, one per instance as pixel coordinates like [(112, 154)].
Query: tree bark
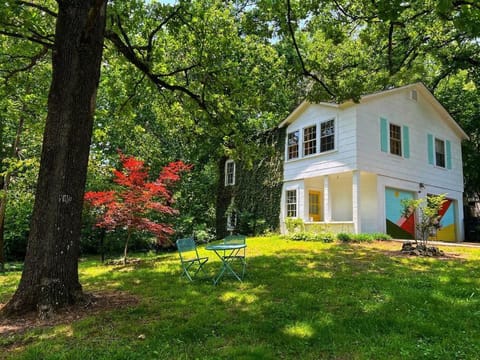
[(50, 277)]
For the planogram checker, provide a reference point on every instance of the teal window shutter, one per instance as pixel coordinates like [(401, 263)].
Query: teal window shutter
[(383, 135), (448, 154), (430, 149), (406, 142)]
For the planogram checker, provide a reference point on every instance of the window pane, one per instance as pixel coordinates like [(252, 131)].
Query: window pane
[(440, 153), (230, 173), (309, 140), (395, 140), (292, 203), (292, 145), (327, 136)]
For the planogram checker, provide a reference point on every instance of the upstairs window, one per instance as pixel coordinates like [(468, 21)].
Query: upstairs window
[(327, 135), (310, 140), (291, 200), (292, 145), (395, 140), (439, 153), (229, 172), (315, 139)]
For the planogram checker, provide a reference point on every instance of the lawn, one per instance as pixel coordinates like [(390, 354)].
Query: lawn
[(299, 300)]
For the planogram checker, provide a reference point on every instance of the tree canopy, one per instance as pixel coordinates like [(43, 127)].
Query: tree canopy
[(198, 79)]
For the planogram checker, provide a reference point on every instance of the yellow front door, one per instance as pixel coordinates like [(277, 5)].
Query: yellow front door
[(314, 205)]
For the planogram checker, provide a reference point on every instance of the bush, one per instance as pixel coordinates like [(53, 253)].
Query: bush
[(344, 237), (381, 236), (294, 225), (325, 237), (363, 237)]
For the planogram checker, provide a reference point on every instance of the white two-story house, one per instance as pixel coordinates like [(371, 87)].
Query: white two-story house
[(348, 166)]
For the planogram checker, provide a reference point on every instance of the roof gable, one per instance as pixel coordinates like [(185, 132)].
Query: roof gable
[(420, 87)]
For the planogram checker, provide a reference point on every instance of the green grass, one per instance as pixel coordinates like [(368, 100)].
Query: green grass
[(300, 300)]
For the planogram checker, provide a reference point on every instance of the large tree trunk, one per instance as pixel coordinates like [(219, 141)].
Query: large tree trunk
[(50, 276)]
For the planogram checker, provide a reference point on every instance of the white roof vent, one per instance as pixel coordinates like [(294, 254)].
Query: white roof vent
[(413, 95)]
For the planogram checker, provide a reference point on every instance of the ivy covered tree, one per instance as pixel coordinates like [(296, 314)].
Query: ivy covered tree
[(132, 205)]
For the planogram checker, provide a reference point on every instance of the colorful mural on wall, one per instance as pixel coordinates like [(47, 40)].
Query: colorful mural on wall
[(398, 226), (447, 230)]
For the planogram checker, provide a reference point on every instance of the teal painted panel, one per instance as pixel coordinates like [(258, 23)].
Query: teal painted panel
[(430, 149), (393, 203), (449, 217), (383, 135), (448, 154), (406, 142)]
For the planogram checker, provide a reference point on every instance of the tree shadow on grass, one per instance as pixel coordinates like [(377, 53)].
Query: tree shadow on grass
[(336, 302)]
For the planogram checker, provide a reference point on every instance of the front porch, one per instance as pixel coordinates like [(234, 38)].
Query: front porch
[(332, 226), (333, 202)]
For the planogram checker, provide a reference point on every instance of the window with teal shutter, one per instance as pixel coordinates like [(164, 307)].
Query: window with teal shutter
[(383, 135), (430, 149), (406, 142), (449, 154)]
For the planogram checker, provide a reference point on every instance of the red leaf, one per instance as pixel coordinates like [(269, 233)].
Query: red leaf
[(129, 206)]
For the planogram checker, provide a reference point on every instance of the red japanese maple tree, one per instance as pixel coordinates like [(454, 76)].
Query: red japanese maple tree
[(136, 199)]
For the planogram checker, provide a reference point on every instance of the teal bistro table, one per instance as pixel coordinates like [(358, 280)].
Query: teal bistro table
[(228, 253)]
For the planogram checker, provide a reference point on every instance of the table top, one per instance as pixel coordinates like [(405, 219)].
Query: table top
[(225, 246)]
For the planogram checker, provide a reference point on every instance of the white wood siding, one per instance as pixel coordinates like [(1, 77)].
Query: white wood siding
[(421, 119), (342, 159), (369, 203)]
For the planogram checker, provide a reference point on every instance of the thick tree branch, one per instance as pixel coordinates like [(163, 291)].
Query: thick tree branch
[(34, 60), (130, 55), (306, 72), (26, 37), (133, 93), (157, 29), (39, 7)]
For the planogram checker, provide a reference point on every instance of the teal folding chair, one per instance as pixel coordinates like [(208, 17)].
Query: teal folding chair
[(192, 263), (239, 254)]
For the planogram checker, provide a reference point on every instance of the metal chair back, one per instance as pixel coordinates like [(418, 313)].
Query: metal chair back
[(190, 260)]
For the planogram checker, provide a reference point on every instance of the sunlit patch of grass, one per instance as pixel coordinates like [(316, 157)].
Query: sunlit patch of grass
[(304, 300), (300, 329), (238, 298), (8, 283)]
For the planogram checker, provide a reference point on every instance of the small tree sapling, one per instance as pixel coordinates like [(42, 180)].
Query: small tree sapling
[(130, 205)]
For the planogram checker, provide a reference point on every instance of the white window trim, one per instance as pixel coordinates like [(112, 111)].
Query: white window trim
[(296, 201), (300, 142), (230, 161), (318, 125), (335, 135), (402, 145), (435, 138), (317, 128)]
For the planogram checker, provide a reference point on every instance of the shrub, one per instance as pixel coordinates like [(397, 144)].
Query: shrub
[(344, 237), (325, 237), (381, 236), (294, 225), (363, 237)]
